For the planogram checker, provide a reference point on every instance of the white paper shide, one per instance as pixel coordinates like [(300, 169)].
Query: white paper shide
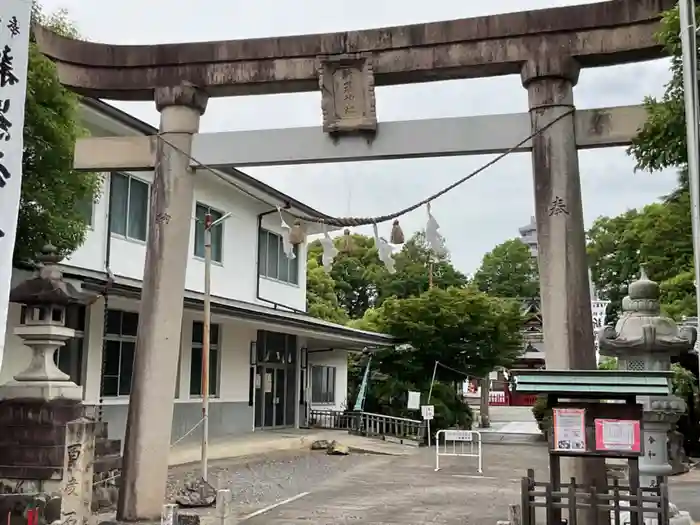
[(14, 54)]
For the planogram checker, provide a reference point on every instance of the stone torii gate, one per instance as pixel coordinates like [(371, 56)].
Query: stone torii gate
[(546, 47)]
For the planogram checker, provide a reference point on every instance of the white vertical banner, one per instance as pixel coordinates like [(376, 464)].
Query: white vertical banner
[(598, 309), (15, 18)]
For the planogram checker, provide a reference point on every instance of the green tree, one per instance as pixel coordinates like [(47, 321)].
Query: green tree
[(54, 197), (467, 331), (362, 282), (413, 269), (658, 236), (461, 328), (321, 300), (355, 272), (661, 143), (509, 270), (678, 296)]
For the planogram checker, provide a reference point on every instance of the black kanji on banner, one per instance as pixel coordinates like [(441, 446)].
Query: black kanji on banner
[(7, 68), (13, 27)]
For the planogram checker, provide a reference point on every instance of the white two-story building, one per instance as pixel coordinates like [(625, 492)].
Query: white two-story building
[(270, 362)]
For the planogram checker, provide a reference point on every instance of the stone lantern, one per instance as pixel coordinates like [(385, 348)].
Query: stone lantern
[(46, 297), (644, 340)]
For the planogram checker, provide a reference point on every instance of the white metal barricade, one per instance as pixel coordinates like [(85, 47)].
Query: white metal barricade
[(461, 443)]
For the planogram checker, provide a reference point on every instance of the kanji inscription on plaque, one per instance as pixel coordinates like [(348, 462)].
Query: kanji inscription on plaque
[(347, 94)]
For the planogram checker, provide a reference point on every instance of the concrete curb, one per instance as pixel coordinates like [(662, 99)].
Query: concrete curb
[(511, 438)]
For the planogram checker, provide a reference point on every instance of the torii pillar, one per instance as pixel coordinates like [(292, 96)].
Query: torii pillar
[(147, 442), (566, 297), (565, 291)]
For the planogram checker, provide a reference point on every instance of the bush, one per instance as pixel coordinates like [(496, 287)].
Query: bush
[(543, 415), (450, 409)]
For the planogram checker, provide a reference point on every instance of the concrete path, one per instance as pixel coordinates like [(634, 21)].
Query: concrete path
[(511, 414), (274, 441), (407, 491)]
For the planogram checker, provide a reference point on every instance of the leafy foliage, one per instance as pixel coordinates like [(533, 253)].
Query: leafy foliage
[(509, 270), (467, 331), (361, 281), (658, 236), (53, 194), (321, 300), (461, 328), (661, 143), (413, 269)]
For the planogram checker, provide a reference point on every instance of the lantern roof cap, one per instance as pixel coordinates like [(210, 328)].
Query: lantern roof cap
[(47, 287)]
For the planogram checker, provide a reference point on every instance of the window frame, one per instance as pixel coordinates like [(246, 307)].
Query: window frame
[(130, 178), (211, 210), (215, 346), (321, 397), (263, 262), (120, 338)]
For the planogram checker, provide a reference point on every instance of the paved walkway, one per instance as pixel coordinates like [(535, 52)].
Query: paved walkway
[(407, 491)]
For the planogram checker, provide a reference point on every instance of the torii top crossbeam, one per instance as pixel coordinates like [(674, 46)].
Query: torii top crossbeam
[(600, 34)]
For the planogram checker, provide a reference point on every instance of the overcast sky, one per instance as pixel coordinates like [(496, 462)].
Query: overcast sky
[(474, 218)]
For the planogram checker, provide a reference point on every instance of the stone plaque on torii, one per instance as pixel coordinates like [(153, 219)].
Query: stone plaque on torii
[(546, 47)]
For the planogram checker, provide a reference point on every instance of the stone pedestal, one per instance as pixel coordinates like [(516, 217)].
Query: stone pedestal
[(32, 441)]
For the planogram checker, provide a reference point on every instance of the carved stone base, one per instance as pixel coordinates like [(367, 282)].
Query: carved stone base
[(33, 437), (41, 390)]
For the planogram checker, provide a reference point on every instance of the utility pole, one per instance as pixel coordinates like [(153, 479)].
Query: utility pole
[(206, 342), (690, 94)]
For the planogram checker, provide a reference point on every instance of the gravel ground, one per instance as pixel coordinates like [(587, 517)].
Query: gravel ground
[(259, 481)]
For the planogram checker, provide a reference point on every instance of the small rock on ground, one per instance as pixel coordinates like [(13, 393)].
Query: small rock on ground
[(338, 449), (197, 493)]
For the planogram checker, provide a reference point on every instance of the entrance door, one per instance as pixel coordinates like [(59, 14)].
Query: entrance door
[(268, 381), (259, 397), (279, 397)]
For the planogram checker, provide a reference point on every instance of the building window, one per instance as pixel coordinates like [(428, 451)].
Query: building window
[(217, 233), (323, 384), (119, 346), (272, 262), (196, 361), (128, 206)]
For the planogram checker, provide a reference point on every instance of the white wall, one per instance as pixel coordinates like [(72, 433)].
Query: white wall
[(338, 359), (234, 352), (234, 278), (237, 276)]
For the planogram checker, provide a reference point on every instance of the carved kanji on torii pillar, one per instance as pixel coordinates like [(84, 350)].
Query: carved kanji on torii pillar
[(546, 47)]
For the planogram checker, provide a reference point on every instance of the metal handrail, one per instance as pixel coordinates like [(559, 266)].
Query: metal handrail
[(396, 418)]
